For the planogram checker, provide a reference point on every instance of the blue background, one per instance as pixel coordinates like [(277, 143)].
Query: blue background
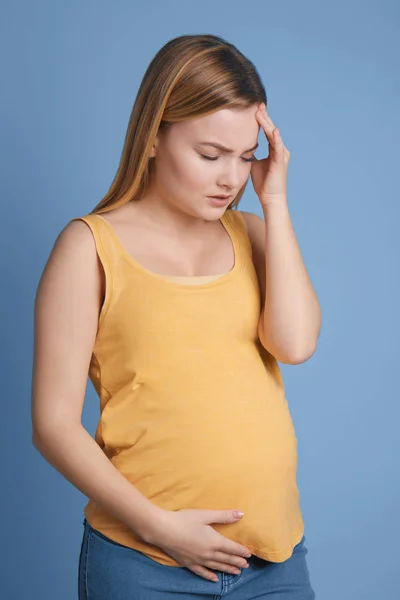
[(71, 71)]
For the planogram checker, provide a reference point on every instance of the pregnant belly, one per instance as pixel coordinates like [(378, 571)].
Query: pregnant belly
[(213, 459)]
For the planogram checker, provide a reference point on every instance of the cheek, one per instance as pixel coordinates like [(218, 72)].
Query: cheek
[(193, 173)]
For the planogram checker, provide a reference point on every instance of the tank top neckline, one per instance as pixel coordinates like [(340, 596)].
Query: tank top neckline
[(164, 279)]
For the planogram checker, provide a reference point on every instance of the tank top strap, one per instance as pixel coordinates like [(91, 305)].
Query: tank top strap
[(107, 253), (105, 245)]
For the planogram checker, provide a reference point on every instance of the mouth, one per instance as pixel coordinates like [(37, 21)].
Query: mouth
[(220, 200)]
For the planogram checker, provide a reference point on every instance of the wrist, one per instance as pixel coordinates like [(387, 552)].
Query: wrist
[(277, 205), (153, 524)]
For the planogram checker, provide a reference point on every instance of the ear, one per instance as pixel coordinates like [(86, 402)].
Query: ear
[(154, 147)]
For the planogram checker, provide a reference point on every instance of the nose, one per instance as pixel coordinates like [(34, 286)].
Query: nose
[(231, 175)]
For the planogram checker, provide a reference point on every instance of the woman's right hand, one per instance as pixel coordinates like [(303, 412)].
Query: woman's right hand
[(186, 536)]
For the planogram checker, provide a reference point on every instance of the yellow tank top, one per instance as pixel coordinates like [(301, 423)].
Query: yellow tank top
[(192, 407)]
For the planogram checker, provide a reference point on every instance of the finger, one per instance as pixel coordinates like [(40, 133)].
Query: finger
[(263, 113), (203, 572), (227, 546), (230, 559), (270, 120), (220, 566), (265, 124), (269, 129)]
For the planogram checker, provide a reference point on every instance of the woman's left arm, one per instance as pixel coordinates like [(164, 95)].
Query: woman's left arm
[(290, 319)]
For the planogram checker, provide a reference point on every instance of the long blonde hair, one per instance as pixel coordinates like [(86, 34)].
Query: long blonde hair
[(189, 77)]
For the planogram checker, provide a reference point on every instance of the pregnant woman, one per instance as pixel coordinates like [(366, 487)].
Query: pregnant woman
[(179, 306)]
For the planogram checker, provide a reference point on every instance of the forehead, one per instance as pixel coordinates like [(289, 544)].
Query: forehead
[(230, 127)]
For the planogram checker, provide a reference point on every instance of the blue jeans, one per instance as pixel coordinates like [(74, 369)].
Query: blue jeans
[(110, 571)]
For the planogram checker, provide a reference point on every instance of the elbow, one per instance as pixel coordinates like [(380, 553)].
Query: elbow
[(294, 357), (39, 439), (40, 432), (45, 433), (298, 357)]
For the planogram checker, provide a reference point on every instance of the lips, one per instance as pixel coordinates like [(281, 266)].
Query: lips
[(219, 200)]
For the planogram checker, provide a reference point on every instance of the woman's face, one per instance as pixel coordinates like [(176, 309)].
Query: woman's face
[(182, 176)]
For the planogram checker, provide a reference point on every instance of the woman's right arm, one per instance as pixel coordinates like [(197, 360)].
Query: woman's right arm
[(66, 312)]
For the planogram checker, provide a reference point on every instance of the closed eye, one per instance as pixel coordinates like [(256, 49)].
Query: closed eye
[(253, 158)]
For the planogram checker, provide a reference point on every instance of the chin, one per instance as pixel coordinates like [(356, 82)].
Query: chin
[(214, 214), (207, 212), (216, 211)]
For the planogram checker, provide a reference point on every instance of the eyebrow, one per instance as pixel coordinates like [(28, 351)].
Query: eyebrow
[(220, 147)]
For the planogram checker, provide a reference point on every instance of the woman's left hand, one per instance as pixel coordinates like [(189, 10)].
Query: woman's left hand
[(269, 175)]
